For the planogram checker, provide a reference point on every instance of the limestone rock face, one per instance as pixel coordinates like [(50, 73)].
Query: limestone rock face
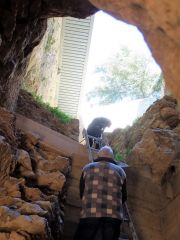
[(43, 71), (157, 150), (159, 23), (60, 163), (7, 159), (163, 114), (12, 220), (7, 126), (153, 175), (32, 185), (23, 24), (24, 160), (52, 180)]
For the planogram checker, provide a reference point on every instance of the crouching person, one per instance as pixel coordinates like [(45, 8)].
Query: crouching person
[(103, 191)]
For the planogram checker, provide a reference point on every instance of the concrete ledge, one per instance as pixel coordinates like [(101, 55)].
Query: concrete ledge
[(65, 145)]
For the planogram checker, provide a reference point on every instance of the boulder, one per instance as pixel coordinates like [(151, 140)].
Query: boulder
[(12, 221), (52, 180), (59, 163)]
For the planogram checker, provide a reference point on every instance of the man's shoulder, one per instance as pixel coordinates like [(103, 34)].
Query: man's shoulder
[(119, 170), (89, 165)]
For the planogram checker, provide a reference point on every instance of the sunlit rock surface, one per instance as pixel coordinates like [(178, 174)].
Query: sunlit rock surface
[(43, 71), (32, 185), (152, 150)]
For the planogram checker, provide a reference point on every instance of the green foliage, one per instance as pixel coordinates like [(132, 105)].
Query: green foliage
[(118, 157), (121, 156), (50, 42), (126, 75), (127, 151), (63, 117)]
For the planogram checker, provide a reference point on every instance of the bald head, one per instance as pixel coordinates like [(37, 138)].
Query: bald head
[(106, 151)]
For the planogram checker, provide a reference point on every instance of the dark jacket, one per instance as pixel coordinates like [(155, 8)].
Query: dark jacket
[(97, 126)]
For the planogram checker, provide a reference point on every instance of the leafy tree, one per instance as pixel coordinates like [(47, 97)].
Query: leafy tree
[(126, 75)]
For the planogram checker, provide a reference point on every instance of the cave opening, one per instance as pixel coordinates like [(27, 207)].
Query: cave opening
[(125, 93), (62, 73)]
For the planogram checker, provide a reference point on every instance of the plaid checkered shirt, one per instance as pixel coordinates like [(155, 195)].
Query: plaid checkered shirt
[(102, 193)]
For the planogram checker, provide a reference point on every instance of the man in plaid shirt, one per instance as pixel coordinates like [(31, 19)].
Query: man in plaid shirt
[(103, 191)]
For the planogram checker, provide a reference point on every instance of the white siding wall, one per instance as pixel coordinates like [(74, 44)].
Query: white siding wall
[(76, 35)]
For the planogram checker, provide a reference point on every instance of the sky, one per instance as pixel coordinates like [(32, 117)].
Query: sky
[(108, 35)]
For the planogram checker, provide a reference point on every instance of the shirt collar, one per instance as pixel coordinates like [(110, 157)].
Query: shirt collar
[(105, 159)]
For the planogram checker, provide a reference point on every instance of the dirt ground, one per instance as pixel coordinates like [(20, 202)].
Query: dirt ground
[(29, 108)]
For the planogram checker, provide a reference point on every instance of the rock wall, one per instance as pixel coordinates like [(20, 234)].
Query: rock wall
[(42, 74), (33, 184), (163, 114), (79, 157), (22, 26), (154, 170), (159, 23), (28, 209)]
